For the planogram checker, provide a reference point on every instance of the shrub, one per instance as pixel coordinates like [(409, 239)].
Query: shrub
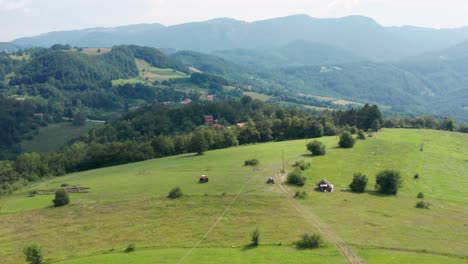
[(416, 176), (359, 183), (346, 140), (300, 195), (422, 205), (64, 185), (251, 162), (361, 135), (130, 248), (33, 254), (316, 148), (302, 165), (388, 182), (61, 198), (295, 178), (255, 237), (420, 195), (309, 241), (175, 193)]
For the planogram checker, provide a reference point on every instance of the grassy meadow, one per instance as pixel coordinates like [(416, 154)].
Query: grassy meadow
[(55, 136), (148, 73), (127, 204)]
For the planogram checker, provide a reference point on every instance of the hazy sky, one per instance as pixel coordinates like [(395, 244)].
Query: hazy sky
[(20, 18)]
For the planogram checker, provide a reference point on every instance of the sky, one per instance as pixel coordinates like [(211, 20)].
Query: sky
[(20, 18)]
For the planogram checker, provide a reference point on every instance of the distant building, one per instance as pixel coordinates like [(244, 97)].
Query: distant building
[(209, 120), (187, 101), (38, 115), (210, 98), (241, 124)]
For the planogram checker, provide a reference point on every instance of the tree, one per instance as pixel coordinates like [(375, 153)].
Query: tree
[(388, 182), (163, 146), (309, 241), (361, 135), (61, 198), (33, 254), (376, 125), (359, 183), (255, 237), (198, 143), (448, 124), (316, 148), (79, 119), (295, 178), (175, 193), (346, 140)]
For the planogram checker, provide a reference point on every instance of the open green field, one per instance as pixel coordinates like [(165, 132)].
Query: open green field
[(55, 136), (212, 223), (148, 73), (259, 96)]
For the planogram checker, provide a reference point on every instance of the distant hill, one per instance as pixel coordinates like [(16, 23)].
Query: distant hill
[(8, 47), (296, 53), (356, 34)]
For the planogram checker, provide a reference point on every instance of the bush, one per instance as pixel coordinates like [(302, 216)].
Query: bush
[(422, 205), (300, 195), (346, 140), (302, 165), (309, 241), (359, 183), (295, 178), (175, 193), (361, 135), (388, 182), (316, 148), (255, 237), (420, 195), (130, 248), (416, 176), (251, 162), (33, 254), (61, 198)]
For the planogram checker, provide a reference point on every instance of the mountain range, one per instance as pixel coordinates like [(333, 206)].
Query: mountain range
[(358, 35)]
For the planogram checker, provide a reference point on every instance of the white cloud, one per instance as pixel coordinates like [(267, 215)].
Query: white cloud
[(9, 5)]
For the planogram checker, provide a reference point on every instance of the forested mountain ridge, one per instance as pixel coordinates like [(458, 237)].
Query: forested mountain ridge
[(356, 34)]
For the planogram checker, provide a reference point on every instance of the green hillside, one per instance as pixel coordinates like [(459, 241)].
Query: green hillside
[(212, 222)]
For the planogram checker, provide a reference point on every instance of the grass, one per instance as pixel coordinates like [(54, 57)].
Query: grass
[(157, 74), (128, 204), (94, 51), (21, 57), (148, 73), (263, 254), (55, 136), (259, 96)]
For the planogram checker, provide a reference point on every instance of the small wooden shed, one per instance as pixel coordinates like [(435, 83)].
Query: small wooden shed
[(325, 186)]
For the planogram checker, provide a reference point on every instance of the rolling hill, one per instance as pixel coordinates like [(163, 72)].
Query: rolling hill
[(8, 47), (356, 34), (127, 204), (296, 53)]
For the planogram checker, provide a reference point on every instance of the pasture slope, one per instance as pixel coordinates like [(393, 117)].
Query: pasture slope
[(212, 223)]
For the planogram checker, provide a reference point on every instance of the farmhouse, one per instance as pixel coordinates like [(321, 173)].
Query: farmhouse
[(325, 186)]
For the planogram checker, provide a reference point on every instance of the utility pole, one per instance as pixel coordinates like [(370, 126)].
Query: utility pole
[(283, 160)]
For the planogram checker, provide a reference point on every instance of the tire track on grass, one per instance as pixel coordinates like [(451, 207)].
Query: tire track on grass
[(344, 249), (215, 224)]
